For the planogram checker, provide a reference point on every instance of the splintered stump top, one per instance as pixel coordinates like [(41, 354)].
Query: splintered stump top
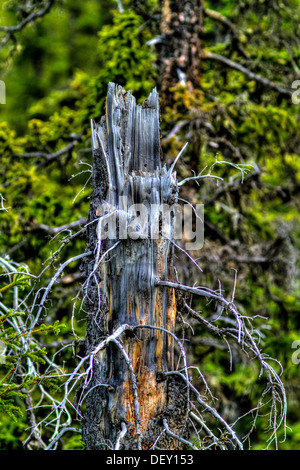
[(128, 172)]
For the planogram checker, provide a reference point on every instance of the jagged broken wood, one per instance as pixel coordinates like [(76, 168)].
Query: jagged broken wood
[(128, 386), (134, 396)]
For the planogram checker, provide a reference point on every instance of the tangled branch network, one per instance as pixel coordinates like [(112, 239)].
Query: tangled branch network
[(208, 428)]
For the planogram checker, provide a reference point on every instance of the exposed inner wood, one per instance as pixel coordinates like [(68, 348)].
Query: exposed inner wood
[(127, 143)]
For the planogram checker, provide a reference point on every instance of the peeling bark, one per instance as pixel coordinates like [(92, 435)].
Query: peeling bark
[(128, 390)]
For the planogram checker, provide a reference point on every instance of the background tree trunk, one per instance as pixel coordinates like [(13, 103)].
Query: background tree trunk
[(179, 58), (128, 390)]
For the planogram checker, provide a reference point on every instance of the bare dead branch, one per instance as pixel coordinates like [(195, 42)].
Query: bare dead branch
[(175, 436), (238, 36), (215, 15), (56, 230), (53, 279), (175, 130), (63, 431), (121, 435), (240, 68), (34, 437), (49, 157), (208, 293), (209, 408), (31, 17)]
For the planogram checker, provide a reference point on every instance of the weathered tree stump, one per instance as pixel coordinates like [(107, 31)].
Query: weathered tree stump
[(128, 395)]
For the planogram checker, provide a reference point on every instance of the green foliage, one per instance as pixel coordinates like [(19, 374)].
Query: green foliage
[(48, 53), (124, 58), (73, 443), (19, 348), (124, 55), (56, 78)]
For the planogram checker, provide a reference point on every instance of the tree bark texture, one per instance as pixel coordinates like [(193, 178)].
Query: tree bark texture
[(179, 58), (128, 396)]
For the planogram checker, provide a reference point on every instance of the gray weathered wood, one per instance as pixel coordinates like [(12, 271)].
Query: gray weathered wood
[(126, 389)]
